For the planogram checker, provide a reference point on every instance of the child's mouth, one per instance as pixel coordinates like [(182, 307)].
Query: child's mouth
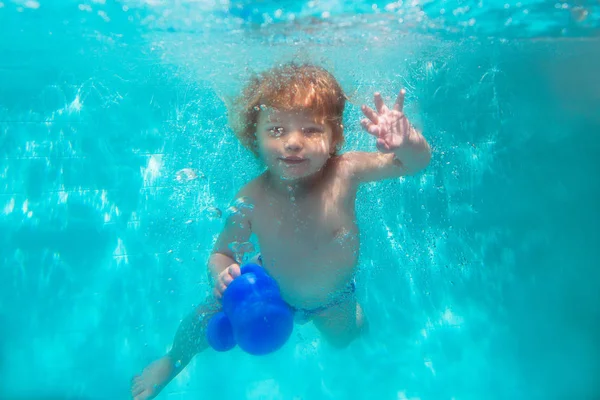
[(293, 160)]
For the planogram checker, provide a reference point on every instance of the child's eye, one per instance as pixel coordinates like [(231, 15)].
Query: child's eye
[(312, 130), (276, 131)]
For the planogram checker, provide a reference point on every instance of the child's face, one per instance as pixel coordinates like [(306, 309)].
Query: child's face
[(293, 144)]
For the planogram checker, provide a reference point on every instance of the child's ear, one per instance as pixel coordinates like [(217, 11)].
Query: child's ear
[(335, 147)]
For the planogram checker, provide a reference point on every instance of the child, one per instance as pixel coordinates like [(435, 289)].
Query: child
[(301, 209)]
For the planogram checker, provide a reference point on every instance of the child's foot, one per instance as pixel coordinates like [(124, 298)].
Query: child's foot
[(152, 380)]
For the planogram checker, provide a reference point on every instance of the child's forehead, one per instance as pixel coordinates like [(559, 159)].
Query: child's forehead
[(271, 114)]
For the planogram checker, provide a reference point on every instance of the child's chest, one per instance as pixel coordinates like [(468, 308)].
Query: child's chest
[(312, 220)]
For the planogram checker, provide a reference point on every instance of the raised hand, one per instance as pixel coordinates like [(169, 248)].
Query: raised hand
[(390, 126)]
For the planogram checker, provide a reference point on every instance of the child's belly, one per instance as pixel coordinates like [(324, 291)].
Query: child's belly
[(312, 276)]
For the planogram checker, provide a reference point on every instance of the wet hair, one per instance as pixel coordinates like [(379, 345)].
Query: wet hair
[(290, 87)]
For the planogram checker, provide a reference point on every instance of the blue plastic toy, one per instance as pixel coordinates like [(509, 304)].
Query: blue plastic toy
[(254, 315)]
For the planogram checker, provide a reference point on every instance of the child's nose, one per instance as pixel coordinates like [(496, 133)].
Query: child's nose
[(294, 141)]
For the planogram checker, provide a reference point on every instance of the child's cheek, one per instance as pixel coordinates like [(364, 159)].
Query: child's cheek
[(267, 149), (323, 148), (272, 146)]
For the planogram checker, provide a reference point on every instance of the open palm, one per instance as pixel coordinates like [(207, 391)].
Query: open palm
[(390, 126)]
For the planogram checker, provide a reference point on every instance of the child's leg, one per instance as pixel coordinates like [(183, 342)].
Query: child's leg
[(190, 339), (341, 323)]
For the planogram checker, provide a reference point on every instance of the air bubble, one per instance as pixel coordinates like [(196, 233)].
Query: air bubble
[(186, 175), (241, 247), (232, 210), (214, 213), (243, 202), (579, 13)]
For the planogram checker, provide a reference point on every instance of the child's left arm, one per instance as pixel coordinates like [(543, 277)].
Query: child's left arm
[(402, 149)]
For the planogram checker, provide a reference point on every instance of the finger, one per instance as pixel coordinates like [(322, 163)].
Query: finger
[(221, 288), (370, 127), (370, 113), (137, 388), (399, 105), (135, 381), (379, 105), (218, 295), (234, 270), (227, 279), (406, 127)]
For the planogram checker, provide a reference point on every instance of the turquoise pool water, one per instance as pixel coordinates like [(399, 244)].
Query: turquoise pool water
[(480, 277)]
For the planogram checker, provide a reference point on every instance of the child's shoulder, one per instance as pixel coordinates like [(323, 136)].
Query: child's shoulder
[(253, 188), (341, 164)]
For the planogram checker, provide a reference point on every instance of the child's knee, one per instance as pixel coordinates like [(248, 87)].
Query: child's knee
[(342, 336)]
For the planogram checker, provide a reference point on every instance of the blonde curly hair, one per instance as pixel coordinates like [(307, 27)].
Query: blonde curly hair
[(290, 87)]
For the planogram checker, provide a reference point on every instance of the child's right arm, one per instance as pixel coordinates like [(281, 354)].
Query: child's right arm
[(222, 264), (223, 269)]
